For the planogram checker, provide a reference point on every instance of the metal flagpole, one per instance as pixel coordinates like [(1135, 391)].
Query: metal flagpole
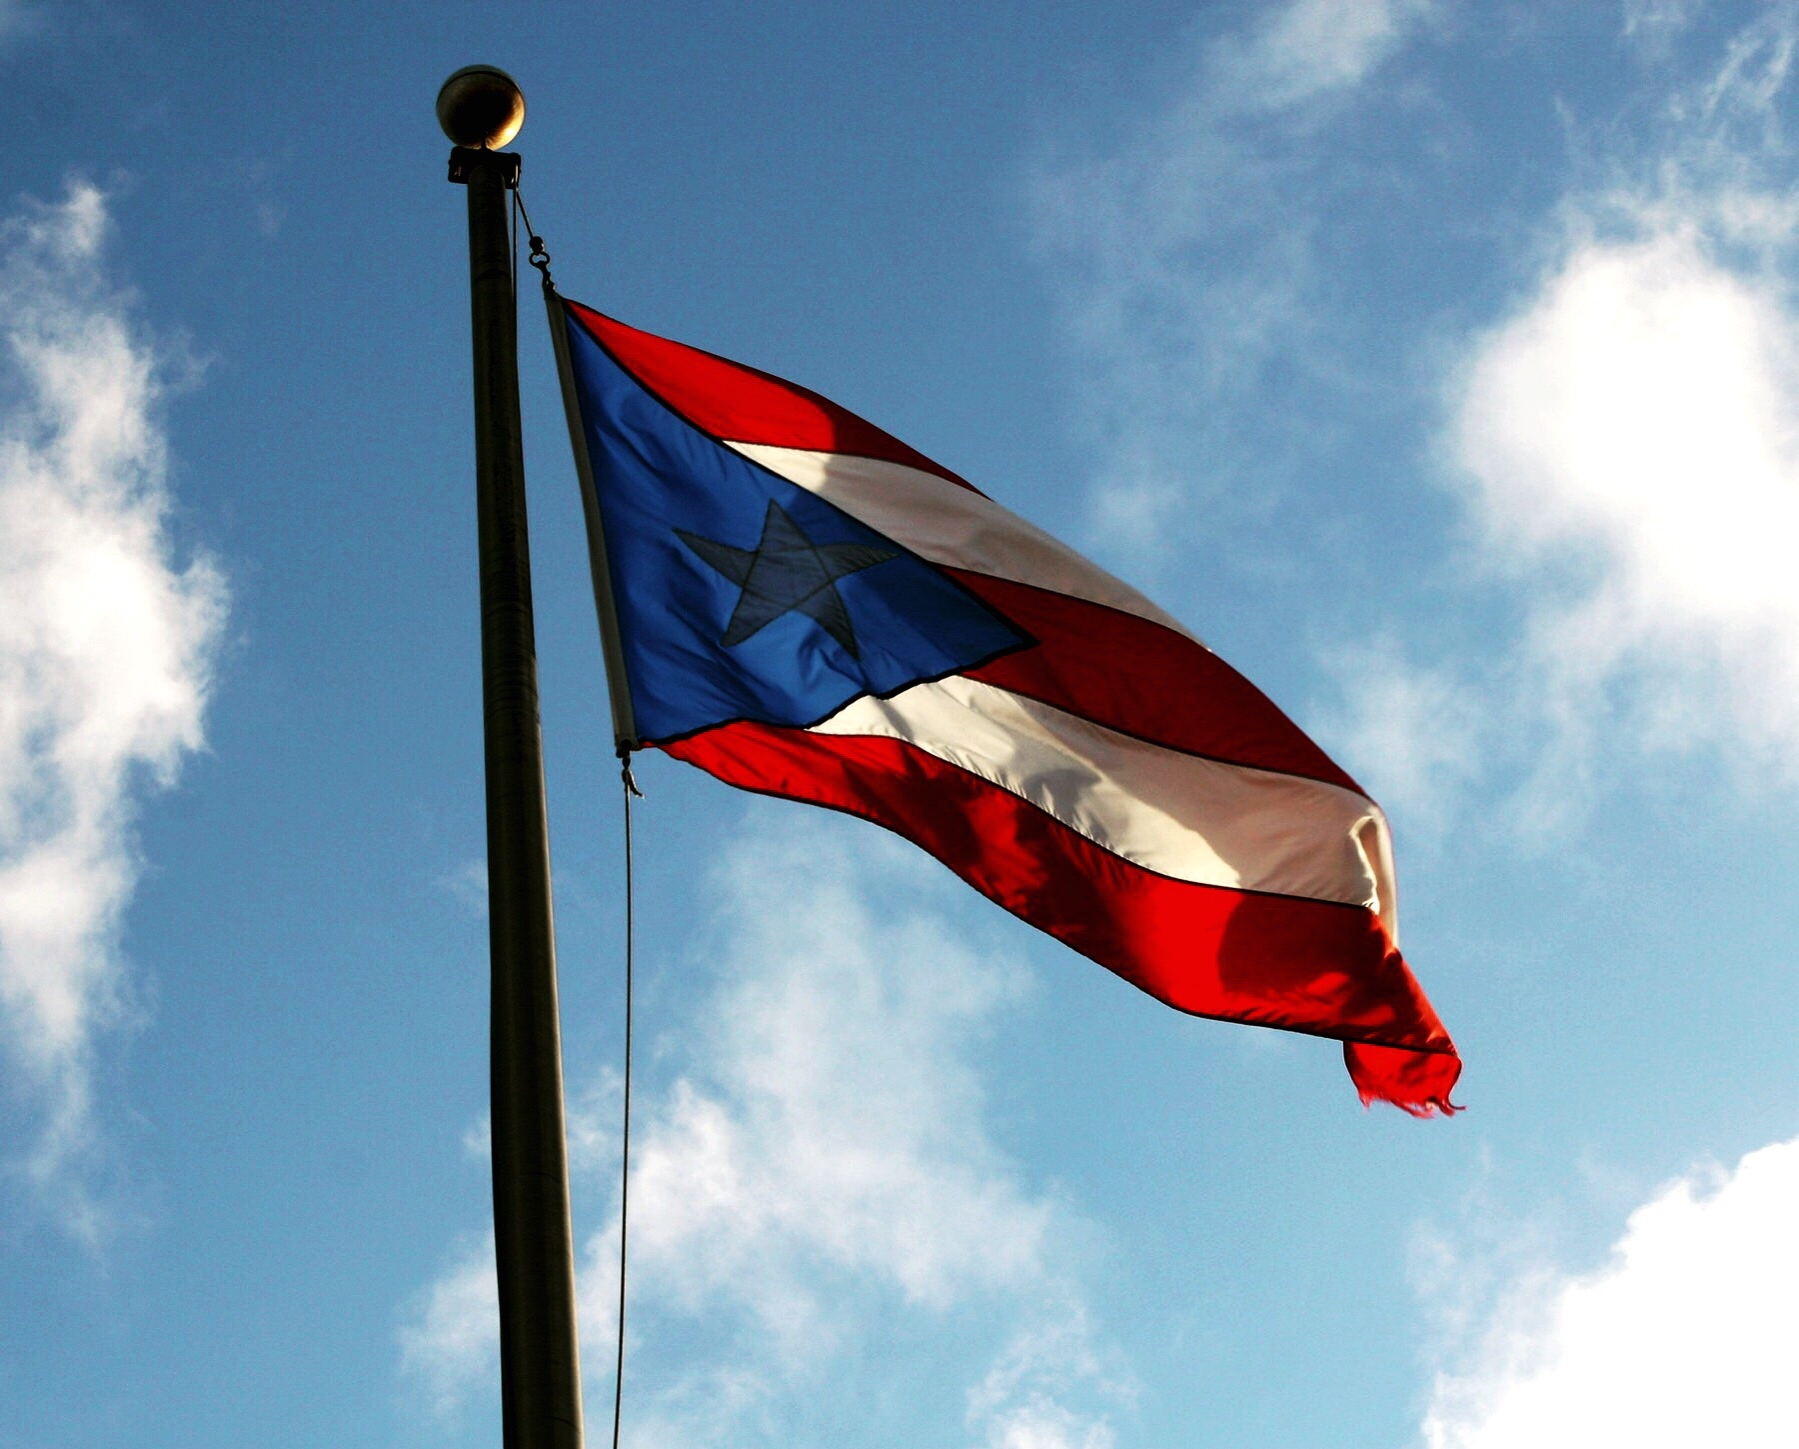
[(481, 109)]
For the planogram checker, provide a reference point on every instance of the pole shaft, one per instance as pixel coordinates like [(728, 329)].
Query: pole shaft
[(534, 1243)]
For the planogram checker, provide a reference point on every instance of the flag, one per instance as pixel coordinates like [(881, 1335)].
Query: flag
[(802, 605)]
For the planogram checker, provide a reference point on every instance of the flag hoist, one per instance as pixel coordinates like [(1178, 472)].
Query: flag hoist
[(481, 109)]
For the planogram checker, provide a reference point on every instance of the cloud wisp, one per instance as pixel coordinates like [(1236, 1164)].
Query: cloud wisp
[(1685, 1336), (107, 645), (1183, 258), (818, 1173)]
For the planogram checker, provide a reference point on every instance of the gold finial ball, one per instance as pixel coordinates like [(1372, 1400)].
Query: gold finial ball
[(481, 106)]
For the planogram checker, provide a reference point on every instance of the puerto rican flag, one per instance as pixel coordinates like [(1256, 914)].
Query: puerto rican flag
[(802, 605)]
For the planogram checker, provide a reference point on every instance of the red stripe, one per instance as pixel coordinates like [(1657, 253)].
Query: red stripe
[(1279, 961), (1143, 679), (743, 405), (1111, 667)]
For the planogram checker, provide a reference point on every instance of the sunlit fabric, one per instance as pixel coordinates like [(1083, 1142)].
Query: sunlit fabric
[(811, 609)]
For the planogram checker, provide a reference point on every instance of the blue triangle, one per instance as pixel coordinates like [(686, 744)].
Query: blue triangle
[(684, 516)]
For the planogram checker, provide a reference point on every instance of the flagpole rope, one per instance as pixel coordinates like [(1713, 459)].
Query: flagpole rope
[(512, 227), (624, 1165)]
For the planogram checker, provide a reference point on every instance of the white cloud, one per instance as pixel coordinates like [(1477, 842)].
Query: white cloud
[(1017, 1404), (1311, 48), (467, 886), (824, 1163), (1627, 443), (1183, 257), (106, 650), (821, 1169), (1632, 439), (1046, 1425), (1654, 24), (1626, 439), (1686, 1336), (449, 1337), (1412, 733), (836, 1114)]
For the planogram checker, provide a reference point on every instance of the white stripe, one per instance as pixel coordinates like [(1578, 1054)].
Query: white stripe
[(1194, 819), (951, 525)]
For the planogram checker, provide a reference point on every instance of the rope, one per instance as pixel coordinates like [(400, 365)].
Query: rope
[(624, 1167), (512, 226)]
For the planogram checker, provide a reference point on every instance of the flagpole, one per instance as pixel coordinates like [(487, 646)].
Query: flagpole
[(481, 109)]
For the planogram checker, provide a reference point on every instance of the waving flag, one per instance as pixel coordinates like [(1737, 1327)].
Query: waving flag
[(802, 605)]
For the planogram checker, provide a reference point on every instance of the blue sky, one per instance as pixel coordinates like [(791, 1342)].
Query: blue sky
[(1437, 362)]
